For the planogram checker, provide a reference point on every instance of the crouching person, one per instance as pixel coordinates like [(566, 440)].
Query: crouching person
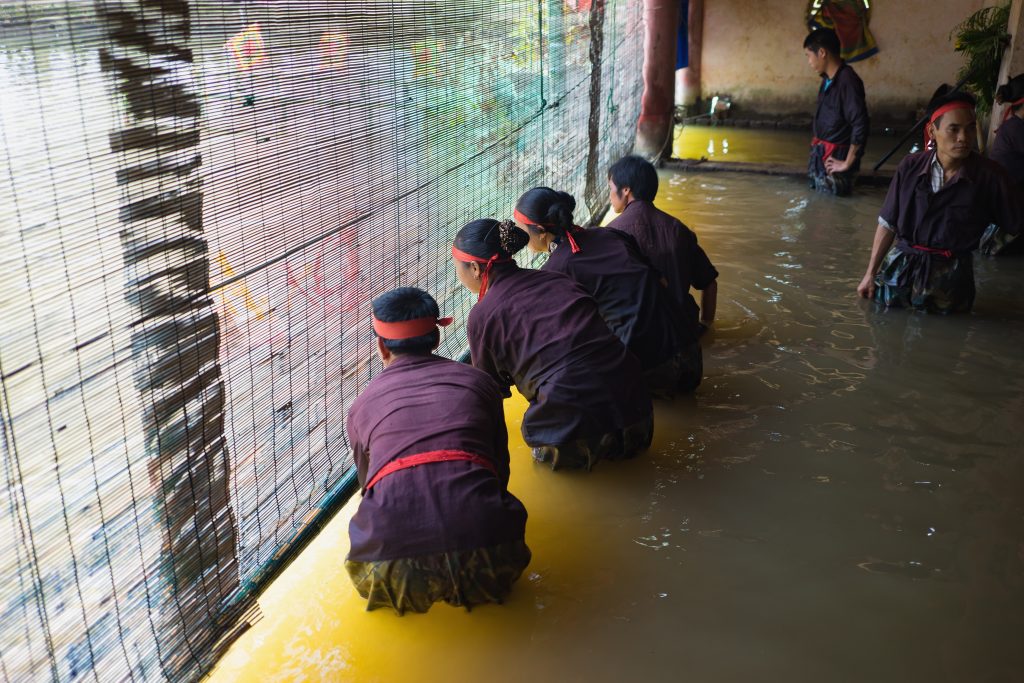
[(436, 521)]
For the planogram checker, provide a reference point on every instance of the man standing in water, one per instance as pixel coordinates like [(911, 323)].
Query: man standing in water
[(938, 206), (840, 120)]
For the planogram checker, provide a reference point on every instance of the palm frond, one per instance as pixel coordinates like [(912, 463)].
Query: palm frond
[(982, 37)]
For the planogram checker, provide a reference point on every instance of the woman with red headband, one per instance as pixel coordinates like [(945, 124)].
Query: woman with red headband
[(629, 292), (436, 521), (542, 332), (1008, 151), (939, 203)]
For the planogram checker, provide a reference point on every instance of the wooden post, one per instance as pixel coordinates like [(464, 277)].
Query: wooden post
[(654, 129), (691, 94)]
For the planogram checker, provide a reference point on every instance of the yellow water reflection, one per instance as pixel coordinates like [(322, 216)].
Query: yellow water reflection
[(769, 146), (314, 625), (720, 143)]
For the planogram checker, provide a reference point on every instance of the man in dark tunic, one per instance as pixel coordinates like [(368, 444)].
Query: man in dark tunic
[(840, 129), (938, 206), (1008, 151), (542, 332), (629, 291), (671, 247), (436, 521)]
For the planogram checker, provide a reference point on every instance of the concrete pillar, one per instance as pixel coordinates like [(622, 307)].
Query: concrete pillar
[(1013, 62), (689, 83), (654, 129)]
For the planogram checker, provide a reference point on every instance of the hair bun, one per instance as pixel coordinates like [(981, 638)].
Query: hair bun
[(511, 238), (568, 199)]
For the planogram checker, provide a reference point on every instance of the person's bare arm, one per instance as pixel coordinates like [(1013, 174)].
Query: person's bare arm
[(708, 303), (883, 240), (833, 165)]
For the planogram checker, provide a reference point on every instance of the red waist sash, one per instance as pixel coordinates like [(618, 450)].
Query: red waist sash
[(932, 250), (424, 458), (830, 147)]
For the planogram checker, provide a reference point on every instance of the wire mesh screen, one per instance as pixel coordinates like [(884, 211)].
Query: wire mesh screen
[(198, 202)]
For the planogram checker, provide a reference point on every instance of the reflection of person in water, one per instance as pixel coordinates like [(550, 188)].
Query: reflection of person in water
[(937, 208)]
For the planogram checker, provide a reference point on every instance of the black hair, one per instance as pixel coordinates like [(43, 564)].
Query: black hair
[(486, 237), (823, 38), (550, 208), (944, 95), (408, 303), (1012, 90), (636, 173)]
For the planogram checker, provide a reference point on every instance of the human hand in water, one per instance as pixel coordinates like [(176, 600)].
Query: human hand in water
[(866, 288), (833, 165)]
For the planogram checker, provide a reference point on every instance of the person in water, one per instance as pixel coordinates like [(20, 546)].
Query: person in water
[(670, 246), (436, 520), (840, 128), (542, 332), (1008, 151), (937, 208), (629, 292)]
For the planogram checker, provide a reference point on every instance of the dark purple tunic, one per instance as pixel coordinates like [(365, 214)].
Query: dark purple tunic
[(672, 249), (423, 403), (542, 332), (956, 216), (628, 292), (1008, 148), (842, 112)]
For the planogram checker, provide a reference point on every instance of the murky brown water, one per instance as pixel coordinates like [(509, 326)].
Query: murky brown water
[(840, 501)]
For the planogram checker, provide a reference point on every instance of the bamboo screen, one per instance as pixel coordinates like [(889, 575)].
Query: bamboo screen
[(198, 200)]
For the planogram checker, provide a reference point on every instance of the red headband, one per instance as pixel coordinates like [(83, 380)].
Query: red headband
[(1009, 108), (406, 329), (463, 256), (523, 218), (959, 104)]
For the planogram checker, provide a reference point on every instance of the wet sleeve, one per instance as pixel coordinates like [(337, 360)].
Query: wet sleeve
[(889, 215), (702, 271), (855, 111)]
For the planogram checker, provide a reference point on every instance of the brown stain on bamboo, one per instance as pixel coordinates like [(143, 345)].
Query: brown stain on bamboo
[(176, 336)]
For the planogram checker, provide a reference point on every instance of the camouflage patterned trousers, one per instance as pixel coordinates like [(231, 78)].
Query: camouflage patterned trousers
[(839, 184), (909, 278), (462, 579)]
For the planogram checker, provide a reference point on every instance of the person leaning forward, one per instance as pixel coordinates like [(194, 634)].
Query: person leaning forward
[(670, 246), (840, 129), (542, 332), (939, 203), (436, 521)]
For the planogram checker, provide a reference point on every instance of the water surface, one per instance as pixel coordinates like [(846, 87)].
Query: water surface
[(840, 500)]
